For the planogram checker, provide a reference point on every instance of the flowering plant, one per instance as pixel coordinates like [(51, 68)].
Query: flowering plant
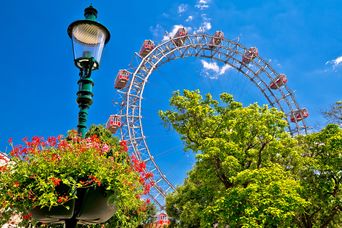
[(47, 173)]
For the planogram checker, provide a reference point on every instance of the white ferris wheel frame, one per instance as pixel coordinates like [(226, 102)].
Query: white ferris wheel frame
[(258, 71)]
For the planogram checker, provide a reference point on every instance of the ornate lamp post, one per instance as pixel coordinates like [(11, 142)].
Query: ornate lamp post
[(88, 40)]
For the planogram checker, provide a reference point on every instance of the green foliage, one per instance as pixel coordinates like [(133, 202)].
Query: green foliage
[(249, 171), (47, 173), (133, 218), (261, 198), (321, 177)]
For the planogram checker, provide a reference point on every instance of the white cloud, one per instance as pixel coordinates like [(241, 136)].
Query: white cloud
[(174, 31), (157, 31), (197, 20), (182, 8), (212, 70), (224, 69), (190, 18), (205, 26), (210, 66), (335, 62), (202, 4)]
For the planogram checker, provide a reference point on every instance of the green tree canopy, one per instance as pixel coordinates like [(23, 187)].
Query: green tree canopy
[(321, 177), (248, 170)]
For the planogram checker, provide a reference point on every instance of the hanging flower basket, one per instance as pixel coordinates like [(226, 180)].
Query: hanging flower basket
[(96, 207), (92, 206), (55, 214), (58, 179)]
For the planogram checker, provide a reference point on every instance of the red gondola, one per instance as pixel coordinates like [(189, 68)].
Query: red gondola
[(180, 37), (279, 81), (249, 55), (121, 79), (217, 39), (162, 219), (113, 123), (299, 115), (146, 48)]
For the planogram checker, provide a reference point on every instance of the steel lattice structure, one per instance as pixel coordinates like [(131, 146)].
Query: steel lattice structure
[(258, 71)]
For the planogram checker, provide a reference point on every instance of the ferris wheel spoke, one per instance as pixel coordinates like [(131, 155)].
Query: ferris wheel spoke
[(246, 61)]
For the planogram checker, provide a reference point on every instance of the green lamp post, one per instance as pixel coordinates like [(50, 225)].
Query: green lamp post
[(88, 40)]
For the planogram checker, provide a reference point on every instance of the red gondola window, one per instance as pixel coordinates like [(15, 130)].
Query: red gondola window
[(216, 39), (279, 81), (299, 115), (114, 123), (121, 79), (249, 55)]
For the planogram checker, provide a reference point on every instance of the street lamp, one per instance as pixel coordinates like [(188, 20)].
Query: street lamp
[(88, 40)]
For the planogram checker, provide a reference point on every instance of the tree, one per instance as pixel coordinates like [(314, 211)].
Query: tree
[(321, 178), (334, 114), (246, 164)]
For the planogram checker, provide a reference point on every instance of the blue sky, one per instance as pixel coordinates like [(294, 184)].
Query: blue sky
[(39, 81)]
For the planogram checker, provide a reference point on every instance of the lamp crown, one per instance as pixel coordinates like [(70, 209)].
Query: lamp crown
[(90, 13)]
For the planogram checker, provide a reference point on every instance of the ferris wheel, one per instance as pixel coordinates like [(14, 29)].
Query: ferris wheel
[(130, 83)]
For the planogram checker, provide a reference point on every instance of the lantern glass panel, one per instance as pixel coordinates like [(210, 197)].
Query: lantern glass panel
[(88, 41)]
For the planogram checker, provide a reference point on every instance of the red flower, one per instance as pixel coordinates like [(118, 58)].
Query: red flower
[(15, 152), (25, 139), (62, 199), (55, 181), (141, 180), (24, 151), (56, 157), (148, 175), (94, 179), (142, 165), (27, 216), (36, 140), (94, 138), (16, 184), (52, 141), (63, 144), (10, 140), (123, 145), (60, 137)]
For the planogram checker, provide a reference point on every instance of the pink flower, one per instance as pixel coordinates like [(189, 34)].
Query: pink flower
[(105, 148)]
